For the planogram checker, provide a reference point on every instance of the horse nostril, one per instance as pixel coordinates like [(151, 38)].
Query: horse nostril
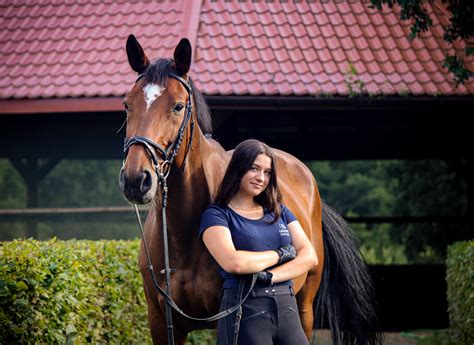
[(146, 183), (121, 179)]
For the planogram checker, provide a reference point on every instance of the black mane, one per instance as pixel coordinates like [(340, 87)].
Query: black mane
[(158, 73)]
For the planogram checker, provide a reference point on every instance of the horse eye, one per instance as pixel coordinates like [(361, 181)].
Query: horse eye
[(178, 107)]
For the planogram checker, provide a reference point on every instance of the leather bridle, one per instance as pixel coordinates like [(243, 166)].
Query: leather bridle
[(167, 154)]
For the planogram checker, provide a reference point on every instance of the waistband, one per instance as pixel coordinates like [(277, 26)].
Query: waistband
[(262, 292)]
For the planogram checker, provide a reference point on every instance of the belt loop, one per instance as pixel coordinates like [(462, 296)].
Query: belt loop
[(292, 292)]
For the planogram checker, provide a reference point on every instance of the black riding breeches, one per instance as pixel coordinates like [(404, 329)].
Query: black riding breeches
[(270, 317)]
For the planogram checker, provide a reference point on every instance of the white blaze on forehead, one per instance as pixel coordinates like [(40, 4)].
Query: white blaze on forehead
[(152, 92)]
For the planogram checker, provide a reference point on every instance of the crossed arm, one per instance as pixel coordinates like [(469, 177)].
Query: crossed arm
[(218, 241)]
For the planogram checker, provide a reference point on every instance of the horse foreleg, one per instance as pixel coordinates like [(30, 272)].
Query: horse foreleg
[(157, 322), (305, 299)]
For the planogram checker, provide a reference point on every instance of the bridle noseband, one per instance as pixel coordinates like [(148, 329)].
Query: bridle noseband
[(168, 155)]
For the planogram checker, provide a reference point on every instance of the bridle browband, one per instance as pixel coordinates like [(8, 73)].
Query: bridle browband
[(167, 154), (162, 171)]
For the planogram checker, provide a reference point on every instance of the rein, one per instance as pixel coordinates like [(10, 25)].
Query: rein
[(162, 171)]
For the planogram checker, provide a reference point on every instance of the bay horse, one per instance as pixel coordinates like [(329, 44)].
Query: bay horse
[(157, 106)]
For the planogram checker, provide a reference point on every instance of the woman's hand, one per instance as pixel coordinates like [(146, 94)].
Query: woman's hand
[(218, 241), (305, 260), (286, 253)]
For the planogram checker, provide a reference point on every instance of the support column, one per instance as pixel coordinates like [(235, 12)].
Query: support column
[(33, 170), (470, 195), (464, 168)]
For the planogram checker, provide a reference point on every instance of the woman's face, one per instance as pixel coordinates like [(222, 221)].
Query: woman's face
[(256, 179)]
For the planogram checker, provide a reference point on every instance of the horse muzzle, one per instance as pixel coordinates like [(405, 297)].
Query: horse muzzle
[(139, 187)]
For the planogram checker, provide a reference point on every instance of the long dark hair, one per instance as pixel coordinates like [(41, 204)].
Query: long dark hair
[(242, 160)]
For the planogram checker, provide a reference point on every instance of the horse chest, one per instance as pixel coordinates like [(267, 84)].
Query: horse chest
[(200, 285)]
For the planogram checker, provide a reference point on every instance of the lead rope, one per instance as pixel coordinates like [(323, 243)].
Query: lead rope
[(238, 315), (167, 270)]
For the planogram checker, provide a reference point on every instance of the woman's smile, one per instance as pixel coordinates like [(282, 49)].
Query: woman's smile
[(256, 179)]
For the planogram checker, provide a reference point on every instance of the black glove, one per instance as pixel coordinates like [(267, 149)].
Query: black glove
[(264, 278), (286, 253)]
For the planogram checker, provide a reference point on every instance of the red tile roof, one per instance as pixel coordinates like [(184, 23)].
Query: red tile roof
[(60, 49)]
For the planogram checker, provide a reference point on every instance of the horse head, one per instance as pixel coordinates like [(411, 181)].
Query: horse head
[(159, 114)]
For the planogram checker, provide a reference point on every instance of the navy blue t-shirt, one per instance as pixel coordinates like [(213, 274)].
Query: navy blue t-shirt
[(249, 234)]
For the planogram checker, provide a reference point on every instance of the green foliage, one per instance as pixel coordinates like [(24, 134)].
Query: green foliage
[(202, 337), (72, 183), (460, 27), (377, 246), (456, 65), (438, 337), (76, 291), (354, 187), (409, 9), (12, 188), (359, 188), (95, 184), (429, 187), (460, 279), (354, 84), (396, 188)]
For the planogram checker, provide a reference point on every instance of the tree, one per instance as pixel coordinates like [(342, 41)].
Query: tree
[(360, 188), (461, 28), (12, 187), (428, 188)]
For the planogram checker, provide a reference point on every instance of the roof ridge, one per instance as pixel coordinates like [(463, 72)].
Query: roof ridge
[(190, 27)]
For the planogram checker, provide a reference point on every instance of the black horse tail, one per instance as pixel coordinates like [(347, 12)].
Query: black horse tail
[(346, 297)]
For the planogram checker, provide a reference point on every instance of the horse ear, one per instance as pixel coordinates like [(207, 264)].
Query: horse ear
[(136, 56), (182, 57)]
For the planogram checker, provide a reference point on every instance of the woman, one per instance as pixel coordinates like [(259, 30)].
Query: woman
[(248, 231)]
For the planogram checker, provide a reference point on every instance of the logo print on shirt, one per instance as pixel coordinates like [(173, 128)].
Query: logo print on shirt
[(283, 230)]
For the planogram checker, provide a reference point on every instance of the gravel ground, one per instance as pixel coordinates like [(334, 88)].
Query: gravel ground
[(323, 337)]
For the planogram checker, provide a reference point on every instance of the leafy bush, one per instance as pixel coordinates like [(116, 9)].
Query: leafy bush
[(460, 279), (74, 291)]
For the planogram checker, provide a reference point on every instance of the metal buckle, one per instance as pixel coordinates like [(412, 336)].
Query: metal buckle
[(163, 169)]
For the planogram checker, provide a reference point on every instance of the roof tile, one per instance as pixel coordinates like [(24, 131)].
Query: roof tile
[(387, 67), (296, 55), (281, 55)]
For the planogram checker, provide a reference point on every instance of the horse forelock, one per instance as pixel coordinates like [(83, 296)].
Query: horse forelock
[(158, 73)]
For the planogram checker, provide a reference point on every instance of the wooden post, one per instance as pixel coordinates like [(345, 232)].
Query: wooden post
[(470, 195), (33, 172)]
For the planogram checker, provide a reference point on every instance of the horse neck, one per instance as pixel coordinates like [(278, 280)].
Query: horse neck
[(188, 177), (189, 190)]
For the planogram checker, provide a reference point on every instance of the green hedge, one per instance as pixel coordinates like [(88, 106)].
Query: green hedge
[(460, 279), (71, 292)]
